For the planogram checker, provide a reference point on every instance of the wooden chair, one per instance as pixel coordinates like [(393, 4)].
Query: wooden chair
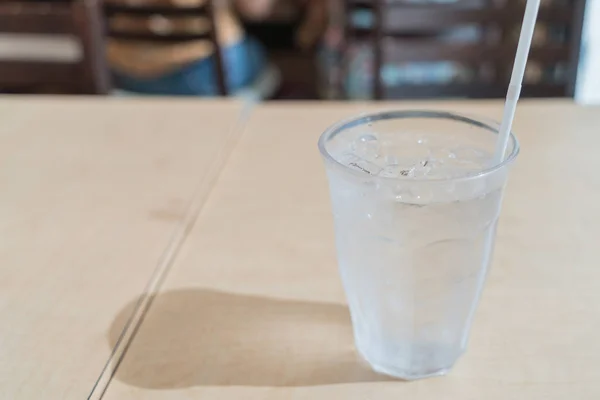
[(146, 12), (399, 34), (79, 18)]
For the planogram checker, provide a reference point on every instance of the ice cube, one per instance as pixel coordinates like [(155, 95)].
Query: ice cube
[(441, 154), (358, 163), (390, 171), (422, 170), (368, 147), (390, 160), (473, 159), (471, 154)]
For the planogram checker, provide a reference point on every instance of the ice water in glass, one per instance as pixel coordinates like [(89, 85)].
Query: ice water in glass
[(415, 202)]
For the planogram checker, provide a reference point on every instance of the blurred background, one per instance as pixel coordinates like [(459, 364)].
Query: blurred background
[(296, 49)]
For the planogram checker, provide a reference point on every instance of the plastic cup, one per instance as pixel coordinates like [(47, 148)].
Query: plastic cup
[(414, 243)]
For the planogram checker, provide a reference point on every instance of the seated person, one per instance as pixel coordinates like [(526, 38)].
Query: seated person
[(186, 68)]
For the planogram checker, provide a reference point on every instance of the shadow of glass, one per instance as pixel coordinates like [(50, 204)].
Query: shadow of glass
[(197, 337)]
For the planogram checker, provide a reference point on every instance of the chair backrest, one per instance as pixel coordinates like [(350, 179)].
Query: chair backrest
[(80, 19), (204, 12), (401, 32)]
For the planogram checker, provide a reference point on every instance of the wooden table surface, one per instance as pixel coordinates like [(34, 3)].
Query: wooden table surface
[(253, 308), (95, 196), (98, 195)]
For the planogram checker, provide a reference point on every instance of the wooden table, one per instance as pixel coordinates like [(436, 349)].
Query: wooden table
[(96, 196), (253, 308)]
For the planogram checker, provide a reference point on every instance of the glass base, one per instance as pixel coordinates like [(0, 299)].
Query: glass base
[(411, 373), (404, 375)]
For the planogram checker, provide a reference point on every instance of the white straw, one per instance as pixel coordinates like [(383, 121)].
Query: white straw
[(516, 79)]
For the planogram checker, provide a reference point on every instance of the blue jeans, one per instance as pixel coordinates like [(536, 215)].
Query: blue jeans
[(242, 63)]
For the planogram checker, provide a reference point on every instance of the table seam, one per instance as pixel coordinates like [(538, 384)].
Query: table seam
[(169, 256)]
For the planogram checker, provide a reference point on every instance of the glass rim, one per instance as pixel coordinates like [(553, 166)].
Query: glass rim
[(364, 119)]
